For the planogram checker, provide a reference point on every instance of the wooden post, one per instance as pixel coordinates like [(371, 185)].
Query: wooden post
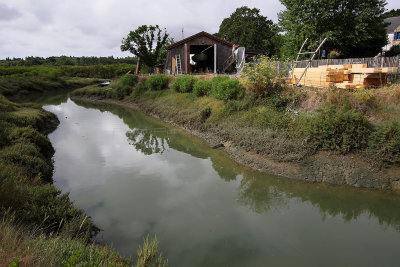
[(185, 56), (215, 58)]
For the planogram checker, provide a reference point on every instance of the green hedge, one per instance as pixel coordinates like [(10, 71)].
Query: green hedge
[(215, 82), (184, 84), (129, 80), (201, 88), (229, 89), (339, 129), (385, 143), (157, 82)]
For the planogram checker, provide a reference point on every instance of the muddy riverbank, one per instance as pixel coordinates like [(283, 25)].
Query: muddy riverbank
[(328, 167)]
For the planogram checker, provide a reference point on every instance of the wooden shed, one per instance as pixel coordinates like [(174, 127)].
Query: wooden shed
[(214, 53)]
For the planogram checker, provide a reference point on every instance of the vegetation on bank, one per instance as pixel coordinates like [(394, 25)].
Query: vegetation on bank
[(40, 226), (21, 81), (66, 61), (259, 113)]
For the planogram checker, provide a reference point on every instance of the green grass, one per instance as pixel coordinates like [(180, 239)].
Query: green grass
[(30, 247)]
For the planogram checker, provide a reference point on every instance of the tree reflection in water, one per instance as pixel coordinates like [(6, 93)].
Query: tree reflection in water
[(145, 141), (259, 191)]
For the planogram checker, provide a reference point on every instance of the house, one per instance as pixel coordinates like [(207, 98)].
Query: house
[(393, 32), (199, 53)]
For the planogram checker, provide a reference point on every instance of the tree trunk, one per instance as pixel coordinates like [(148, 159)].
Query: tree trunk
[(138, 65)]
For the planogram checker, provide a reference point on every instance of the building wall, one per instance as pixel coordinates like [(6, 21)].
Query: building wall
[(390, 41), (223, 52)]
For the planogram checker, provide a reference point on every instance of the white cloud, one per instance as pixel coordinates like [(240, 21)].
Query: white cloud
[(96, 27)]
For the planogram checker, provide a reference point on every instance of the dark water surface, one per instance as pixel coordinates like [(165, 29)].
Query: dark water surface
[(136, 176)]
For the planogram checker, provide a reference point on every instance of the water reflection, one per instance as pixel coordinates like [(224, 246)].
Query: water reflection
[(145, 141), (136, 175), (258, 191)]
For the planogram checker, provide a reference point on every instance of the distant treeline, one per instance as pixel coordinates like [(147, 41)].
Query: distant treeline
[(65, 60)]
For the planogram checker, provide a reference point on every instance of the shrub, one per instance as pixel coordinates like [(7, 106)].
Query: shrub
[(29, 158), (229, 90), (157, 82), (215, 82), (339, 129), (278, 102), (120, 91), (264, 76), (385, 142), (201, 88), (394, 51), (128, 80), (184, 84), (29, 134), (139, 89)]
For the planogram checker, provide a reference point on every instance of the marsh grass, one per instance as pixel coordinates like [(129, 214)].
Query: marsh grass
[(31, 247)]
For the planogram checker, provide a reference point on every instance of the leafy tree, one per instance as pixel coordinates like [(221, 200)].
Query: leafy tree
[(248, 28), (394, 51), (392, 13), (163, 53), (355, 28), (141, 43)]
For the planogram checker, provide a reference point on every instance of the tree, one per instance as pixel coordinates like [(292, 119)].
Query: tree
[(394, 51), (355, 28), (141, 43), (392, 13), (163, 52), (248, 28)]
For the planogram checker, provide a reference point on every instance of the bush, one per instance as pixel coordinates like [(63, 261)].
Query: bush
[(264, 76), (29, 158), (128, 80), (339, 129), (385, 143), (184, 84), (394, 51), (157, 82), (29, 134), (215, 82), (278, 102), (119, 92), (139, 89), (229, 90), (202, 88)]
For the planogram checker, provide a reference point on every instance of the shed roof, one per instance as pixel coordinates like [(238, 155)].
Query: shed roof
[(394, 23), (200, 34)]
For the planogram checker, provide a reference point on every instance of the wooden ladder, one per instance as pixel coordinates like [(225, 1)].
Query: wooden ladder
[(178, 64), (309, 61)]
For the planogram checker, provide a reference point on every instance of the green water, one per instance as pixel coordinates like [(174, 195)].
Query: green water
[(136, 176)]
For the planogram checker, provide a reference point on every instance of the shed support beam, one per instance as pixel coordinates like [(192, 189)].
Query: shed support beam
[(186, 61), (215, 58)]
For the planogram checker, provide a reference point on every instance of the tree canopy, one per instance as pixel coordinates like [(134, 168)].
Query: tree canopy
[(146, 42), (392, 13), (355, 28), (248, 28)]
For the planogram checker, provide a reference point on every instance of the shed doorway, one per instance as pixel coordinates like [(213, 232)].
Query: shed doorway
[(203, 59)]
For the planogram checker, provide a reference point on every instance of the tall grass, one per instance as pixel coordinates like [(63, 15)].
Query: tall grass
[(29, 246)]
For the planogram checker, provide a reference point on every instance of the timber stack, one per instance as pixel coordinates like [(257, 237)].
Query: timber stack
[(349, 76)]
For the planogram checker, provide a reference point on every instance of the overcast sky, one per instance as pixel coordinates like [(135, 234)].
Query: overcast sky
[(96, 27)]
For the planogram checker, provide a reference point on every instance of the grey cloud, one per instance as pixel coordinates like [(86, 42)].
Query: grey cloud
[(7, 13), (96, 27)]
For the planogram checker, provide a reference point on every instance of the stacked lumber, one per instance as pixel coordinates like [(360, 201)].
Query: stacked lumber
[(348, 76)]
